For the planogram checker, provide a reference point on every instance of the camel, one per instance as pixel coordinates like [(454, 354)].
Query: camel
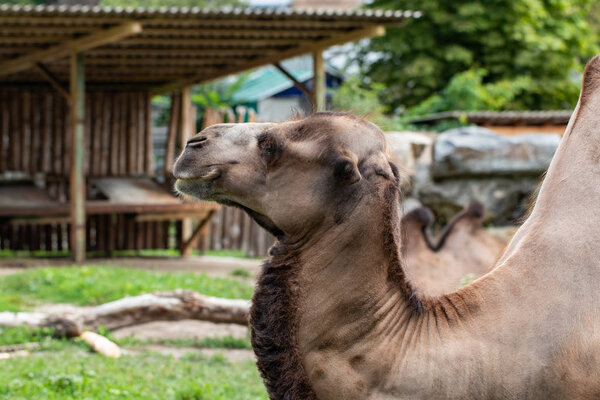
[(464, 249), (333, 314)]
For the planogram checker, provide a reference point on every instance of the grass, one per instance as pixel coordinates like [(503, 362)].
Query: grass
[(61, 369), (225, 342), (75, 374), (241, 273), (96, 285)]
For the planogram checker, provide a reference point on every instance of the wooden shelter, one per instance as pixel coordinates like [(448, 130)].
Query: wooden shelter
[(76, 83)]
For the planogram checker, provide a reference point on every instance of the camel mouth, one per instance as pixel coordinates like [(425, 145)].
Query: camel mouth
[(200, 185), (207, 172)]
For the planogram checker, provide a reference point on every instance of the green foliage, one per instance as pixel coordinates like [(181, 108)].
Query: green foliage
[(73, 374), (466, 91), (357, 97), (97, 285), (535, 44)]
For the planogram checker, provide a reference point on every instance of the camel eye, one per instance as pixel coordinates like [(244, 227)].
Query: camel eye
[(269, 148)]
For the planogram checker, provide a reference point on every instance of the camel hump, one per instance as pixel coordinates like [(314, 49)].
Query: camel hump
[(591, 78), (421, 215)]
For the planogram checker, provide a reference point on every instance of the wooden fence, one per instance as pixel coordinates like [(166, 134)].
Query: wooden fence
[(35, 146)]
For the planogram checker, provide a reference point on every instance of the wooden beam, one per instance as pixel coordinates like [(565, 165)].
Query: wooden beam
[(186, 246), (311, 47), (52, 80), (208, 42), (307, 92), (184, 53), (319, 82), (96, 39), (77, 181), (186, 131)]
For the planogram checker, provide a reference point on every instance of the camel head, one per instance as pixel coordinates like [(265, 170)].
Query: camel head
[(292, 177)]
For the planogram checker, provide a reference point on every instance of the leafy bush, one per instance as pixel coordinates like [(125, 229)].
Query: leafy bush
[(543, 41)]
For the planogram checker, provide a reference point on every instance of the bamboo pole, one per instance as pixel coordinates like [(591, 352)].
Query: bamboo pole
[(186, 131), (77, 156)]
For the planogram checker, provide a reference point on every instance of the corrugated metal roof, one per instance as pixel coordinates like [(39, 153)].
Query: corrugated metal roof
[(499, 118), (186, 12), (178, 44)]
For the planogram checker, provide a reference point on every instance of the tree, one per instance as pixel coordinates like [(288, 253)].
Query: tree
[(543, 41)]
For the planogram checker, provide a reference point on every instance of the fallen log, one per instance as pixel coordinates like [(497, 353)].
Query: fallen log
[(172, 305)]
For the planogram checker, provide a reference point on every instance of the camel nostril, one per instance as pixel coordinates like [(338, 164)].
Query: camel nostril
[(196, 141)]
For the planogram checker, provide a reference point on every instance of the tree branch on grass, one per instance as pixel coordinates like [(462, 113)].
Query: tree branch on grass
[(171, 305)]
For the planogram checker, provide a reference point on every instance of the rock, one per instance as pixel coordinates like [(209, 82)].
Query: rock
[(474, 151), (404, 149), (506, 199), (408, 204)]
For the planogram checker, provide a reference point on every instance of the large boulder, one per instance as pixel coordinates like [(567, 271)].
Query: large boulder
[(506, 199), (404, 149), (475, 152)]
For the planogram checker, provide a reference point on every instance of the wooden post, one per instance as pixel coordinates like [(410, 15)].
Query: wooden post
[(319, 84), (187, 127), (77, 156)]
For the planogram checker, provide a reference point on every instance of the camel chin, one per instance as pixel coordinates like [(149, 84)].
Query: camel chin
[(201, 188)]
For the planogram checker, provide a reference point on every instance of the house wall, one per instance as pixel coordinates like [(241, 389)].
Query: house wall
[(281, 108)]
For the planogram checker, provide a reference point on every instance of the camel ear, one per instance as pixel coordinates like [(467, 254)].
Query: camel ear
[(591, 79), (345, 170)]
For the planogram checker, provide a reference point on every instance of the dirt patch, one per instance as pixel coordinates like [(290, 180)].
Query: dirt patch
[(186, 329), (233, 355), (9, 270)]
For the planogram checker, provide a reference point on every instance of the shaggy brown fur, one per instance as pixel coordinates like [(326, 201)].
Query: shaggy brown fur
[(273, 327)]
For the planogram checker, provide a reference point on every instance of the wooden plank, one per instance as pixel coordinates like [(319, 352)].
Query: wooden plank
[(172, 135), (123, 134), (132, 138), (141, 131), (35, 156), (4, 129), (114, 133), (59, 116), (149, 158), (46, 133), (77, 181), (319, 82), (311, 47), (97, 133), (96, 39), (105, 135), (14, 143), (25, 132)]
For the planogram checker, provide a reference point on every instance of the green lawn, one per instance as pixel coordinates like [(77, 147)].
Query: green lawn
[(73, 373), (96, 285), (64, 369)]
